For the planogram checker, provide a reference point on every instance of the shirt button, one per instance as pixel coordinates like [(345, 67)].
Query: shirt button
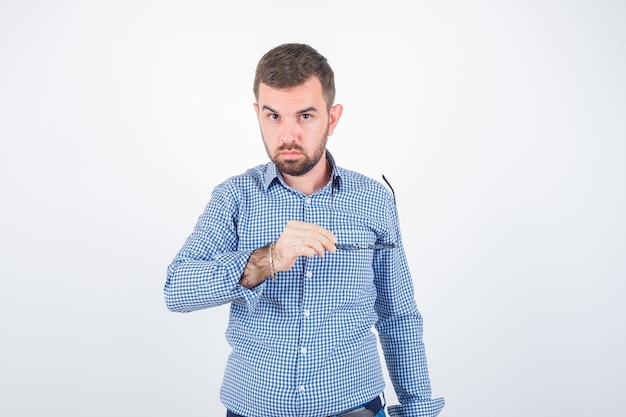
[(303, 350), (301, 388), (307, 201), (307, 313), (308, 274)]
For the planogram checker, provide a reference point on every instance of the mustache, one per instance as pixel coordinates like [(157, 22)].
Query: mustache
[(290, 147)]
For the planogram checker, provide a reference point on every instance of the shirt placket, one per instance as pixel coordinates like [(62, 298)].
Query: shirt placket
[(305, 349)]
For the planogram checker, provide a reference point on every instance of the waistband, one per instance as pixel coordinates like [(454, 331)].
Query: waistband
[(374, 406)]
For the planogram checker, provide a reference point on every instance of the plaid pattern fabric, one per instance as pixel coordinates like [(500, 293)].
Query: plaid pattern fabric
[(302, 344)]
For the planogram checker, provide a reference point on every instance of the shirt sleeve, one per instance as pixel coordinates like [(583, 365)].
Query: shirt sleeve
[(400, 330), (206, 271)]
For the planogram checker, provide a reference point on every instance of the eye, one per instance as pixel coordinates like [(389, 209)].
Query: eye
[(305, 116), (273, 116)]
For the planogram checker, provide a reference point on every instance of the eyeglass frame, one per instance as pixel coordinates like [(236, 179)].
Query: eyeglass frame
[(356, 246)]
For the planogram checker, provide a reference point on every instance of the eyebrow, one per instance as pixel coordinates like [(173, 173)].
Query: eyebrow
[(307, 110)]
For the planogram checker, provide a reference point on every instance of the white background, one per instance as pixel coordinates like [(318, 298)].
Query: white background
[(500, 124)]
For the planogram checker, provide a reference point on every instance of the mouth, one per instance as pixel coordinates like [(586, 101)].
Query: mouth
[(290, 154)]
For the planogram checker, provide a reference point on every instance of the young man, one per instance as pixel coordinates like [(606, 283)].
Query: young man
[(310, 258)]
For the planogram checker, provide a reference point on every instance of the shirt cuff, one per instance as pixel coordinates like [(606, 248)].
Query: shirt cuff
[(426, 408), (251, 296), (235, 263)]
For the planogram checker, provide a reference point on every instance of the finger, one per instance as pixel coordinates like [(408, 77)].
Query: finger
[(293, 247), (327, 239), (287, 250), (310, 252), (324, 236)]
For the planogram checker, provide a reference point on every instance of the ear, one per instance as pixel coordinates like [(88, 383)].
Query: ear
[(333, 117), (256, 108)]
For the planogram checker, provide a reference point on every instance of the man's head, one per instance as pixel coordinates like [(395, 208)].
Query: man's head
[(295, 90), (290, 65)]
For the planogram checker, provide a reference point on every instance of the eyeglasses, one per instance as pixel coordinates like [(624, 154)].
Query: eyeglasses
[(356, 246), (375, 246)]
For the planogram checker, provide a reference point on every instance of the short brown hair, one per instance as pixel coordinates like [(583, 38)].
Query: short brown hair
[(292, 64)]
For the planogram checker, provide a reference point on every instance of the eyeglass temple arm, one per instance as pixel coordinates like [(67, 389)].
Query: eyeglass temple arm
[(391, 188)]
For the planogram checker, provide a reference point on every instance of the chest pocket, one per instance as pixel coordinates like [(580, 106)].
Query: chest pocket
[(351, 272)]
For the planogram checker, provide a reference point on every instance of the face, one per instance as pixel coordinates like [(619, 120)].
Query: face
[(295, 125)]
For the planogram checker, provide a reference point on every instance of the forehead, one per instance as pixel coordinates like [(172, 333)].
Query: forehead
[(308, 94)]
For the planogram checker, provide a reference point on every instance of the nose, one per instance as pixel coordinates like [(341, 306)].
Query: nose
[(288, 131)]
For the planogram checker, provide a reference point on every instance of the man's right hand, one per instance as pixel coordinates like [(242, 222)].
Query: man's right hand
[(301, 239), (297, 239)]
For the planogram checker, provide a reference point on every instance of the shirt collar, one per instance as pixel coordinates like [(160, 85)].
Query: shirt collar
[(272, 174)]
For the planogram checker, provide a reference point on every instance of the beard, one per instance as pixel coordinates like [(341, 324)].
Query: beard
[(301, 166)]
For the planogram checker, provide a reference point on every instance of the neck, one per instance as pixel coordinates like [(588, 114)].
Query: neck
[(312, 181)]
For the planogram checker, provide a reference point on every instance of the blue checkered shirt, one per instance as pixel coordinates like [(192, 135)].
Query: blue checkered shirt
[(302, 344)]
